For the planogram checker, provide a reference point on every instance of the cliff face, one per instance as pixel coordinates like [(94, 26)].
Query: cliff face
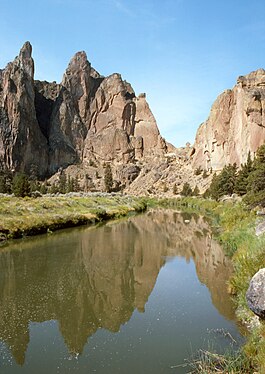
[(86, 117), (236, 125), (22, 143)]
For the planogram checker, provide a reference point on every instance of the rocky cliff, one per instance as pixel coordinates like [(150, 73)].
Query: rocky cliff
[(85, 118), (236, 125), (88, 120)]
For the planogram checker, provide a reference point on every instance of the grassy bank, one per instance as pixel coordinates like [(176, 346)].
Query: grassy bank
[(28, 216), (234, 226)]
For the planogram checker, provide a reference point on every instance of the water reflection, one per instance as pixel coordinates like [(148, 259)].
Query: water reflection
[(94, 278)]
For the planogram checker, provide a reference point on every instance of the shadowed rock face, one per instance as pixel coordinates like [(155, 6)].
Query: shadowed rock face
[(95, 278), (85, 117), (236, 124)]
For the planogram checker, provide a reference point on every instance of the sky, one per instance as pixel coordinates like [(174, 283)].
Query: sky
[(181, 53)]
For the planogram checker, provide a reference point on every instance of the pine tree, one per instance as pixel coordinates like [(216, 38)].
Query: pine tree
[(43, 188), (70, 184), (62, 182), (108, 179), (224, 183), (21, 185), (227, 179), (256, 179), (242, 180), (186, 190)]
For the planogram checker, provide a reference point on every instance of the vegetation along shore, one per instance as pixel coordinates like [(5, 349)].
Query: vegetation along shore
[(32, 216)]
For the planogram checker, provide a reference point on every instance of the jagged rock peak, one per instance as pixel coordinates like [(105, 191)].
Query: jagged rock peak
[(255, 78), (25, 59), (80, 60), (78, 63)]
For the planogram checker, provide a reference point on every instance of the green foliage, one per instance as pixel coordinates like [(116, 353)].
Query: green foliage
[(43, 188), (108, 179), (224, 183), (54, 188), (62, 183), (5, 181), (242, 180), (3, 185), (21, 185), (186, 190)]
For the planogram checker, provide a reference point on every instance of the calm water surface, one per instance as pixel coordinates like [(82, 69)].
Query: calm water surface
[(134, 296)]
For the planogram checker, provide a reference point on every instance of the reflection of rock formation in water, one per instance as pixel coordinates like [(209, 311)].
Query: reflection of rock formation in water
[(95, 278)]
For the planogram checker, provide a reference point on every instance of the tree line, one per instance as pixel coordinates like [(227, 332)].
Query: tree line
[(248, 181), (22, 185)]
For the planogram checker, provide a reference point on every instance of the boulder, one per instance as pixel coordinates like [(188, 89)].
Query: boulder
[(256, 294)]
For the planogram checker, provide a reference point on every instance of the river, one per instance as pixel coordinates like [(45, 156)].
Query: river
[(138, 295)]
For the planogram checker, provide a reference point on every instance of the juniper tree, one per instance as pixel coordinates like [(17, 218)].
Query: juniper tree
[(21, 185), (186, 190), (108, 178)]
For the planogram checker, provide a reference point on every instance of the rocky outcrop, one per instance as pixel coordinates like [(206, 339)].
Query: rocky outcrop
[(22, 144), (236, 125), (85, 118), (256, 294)]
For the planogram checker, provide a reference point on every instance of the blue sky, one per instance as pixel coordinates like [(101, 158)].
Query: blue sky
[(182, 53)]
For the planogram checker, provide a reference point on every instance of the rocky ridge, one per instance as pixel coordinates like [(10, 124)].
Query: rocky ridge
[(85, 119), (89, 120)]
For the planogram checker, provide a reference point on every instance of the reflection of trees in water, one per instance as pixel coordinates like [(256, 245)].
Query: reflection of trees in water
[(96, 277)]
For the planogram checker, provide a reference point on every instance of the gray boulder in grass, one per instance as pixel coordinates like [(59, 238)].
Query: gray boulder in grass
[(256, 294)]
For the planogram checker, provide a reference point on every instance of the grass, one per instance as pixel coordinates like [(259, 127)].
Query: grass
[(29, 216), (234, 226), (230, 362)]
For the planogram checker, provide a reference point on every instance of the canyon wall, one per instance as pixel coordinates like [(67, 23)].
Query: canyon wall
[(236, 125)]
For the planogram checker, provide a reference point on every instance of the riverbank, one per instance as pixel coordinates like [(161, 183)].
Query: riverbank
[(234, 226), (20, 217)]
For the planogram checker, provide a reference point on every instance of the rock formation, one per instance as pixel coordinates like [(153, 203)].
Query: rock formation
[(236, 125), (256, 294), (22, 143), (88, 120), (86, 117)]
